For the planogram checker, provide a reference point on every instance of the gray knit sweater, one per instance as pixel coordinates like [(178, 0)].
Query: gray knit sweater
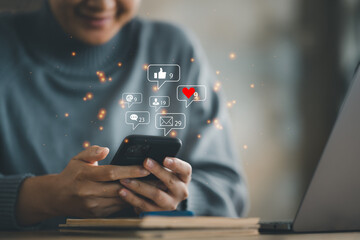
[(44, 120)]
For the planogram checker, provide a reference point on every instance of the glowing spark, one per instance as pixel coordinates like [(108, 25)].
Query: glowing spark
[(145, 66), (154, 88), (86, 144), (101, 128), (66, 114), (126, 140), (173, 134), (245, 146), (217, 86), (163, 111), (89, 96), (231, 103), (110, 79), (102, 114), (232, 56), (121, 102), (208, 121), (217, 72), (73, 54), (252, 85), (101, 76), (119, 64), (198, 136), (84, 98), (192, 60)]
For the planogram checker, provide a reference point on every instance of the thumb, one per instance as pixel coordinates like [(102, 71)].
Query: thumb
[(161, 70), (93, 154)]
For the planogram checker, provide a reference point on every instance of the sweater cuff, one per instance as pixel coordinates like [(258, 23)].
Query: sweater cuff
[(9, 190), (196, 201)]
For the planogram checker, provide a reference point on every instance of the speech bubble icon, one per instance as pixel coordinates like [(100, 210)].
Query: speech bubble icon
[(191, 93), (132, 98), (158, 102), (162, 73), (170, 121), (135, 118)]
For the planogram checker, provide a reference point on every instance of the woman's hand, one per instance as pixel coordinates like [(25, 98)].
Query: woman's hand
[(143, 196), (82, 189)]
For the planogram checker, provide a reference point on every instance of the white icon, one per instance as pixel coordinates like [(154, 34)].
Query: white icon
[(134, 117), (158, 102), (160, 75), (132, 98), (129, 98), (166, 121), (170, 121), (198, 96), (155, 103)]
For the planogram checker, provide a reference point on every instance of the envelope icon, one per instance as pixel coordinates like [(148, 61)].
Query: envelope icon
[(166, 121)]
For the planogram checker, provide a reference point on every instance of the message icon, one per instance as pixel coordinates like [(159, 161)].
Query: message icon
[(162, 73), (135, 118), (158, 102), (170, 121), (191, 93), (132, 98)]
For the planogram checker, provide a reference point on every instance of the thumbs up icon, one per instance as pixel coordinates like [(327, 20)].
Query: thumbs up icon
[(160, 75)]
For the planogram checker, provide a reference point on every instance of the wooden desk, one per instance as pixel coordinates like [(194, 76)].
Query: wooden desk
[(35, 235)]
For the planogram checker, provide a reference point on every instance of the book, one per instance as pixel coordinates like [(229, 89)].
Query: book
[(164, 223), (164, 227)]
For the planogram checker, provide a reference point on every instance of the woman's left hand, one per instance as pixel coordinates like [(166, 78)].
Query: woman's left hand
[(175, 176)]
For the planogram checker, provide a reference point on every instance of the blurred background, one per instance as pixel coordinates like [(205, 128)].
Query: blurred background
[(285, 66)]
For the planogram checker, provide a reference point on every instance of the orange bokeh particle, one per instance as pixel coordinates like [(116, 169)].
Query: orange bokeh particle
[(73, 54), (86, 144), (119, 64), (192, 60), (126, 140), (66, 114), (232, 56), (145, 66), (101, 128)]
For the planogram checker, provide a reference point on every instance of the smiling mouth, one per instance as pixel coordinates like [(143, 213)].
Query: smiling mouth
[(95, 22)]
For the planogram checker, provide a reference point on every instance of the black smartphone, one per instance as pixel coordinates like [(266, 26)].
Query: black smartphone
[(134, 149)]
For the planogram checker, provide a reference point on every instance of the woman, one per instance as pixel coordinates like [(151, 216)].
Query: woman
[(63, 70)]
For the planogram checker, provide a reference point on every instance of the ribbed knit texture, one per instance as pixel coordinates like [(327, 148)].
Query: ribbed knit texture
[(9, 189), (40, 81)]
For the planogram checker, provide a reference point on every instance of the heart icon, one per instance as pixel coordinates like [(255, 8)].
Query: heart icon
[(188, 92)]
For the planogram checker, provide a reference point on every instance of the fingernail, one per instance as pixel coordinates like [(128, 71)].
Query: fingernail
[(168, 161), (101, 150), (122, 193), (125, 181), (149, 163), (144, 172)]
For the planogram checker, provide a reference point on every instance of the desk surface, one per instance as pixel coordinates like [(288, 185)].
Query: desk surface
[(129, 235)]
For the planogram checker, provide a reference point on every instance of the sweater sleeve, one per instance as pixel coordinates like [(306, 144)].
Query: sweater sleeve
[(218, 185), (9, 190)]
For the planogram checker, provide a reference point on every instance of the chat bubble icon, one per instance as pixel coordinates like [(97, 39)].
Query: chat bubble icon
[(170, 121), (191, 93), (162, 73), (158, 102), (135, 118), (132, 98)]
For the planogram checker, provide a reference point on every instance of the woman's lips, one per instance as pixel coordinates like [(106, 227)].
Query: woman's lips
[(96, 22)]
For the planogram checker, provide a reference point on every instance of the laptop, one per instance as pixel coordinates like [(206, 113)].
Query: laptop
[(332, 200)]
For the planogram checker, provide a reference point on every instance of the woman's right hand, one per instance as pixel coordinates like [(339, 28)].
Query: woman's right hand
[(82, 189)]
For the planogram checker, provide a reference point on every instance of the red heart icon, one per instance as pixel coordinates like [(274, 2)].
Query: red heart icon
[(188, 92)]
